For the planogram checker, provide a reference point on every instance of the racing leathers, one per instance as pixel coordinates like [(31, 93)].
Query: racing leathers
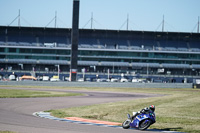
[(144, 110)]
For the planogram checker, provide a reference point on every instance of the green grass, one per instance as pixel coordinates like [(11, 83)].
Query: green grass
[(178, 110), (15, 93), (6, 132)]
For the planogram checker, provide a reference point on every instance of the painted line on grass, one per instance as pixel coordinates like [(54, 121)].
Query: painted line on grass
[(77, 120)]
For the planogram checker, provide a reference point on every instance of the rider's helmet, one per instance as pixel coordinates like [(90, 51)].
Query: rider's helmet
[(152, 108)]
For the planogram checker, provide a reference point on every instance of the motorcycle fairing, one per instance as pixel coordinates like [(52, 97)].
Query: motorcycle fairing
[(138, 119)]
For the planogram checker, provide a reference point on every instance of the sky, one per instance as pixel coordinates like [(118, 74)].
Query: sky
[(145, 15)]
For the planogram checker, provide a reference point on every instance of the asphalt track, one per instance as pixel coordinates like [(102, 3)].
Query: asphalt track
[(16, 113)]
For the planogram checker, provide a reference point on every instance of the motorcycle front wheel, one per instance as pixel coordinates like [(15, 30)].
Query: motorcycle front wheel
[(144, 124), (126, 124)]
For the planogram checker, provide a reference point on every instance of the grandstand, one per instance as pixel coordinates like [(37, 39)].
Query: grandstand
[(141, 52)]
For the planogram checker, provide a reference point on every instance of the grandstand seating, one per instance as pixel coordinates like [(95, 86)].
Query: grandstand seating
[(99, 46), (135, 48), (195, 49), (156, 65), (90, 63), (2, 43), (100, 39), (123, 47), (182, 49), (195, 66), (166, 65), (85, 46), (170, 48), (104, 63)]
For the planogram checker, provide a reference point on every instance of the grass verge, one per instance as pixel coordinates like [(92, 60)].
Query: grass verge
[(179, 110), (15, 93), (6, 132)]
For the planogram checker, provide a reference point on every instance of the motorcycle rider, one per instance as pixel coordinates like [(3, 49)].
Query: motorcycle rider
[(145, 110)]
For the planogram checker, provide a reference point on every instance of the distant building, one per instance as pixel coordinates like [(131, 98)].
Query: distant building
[(143, 52)]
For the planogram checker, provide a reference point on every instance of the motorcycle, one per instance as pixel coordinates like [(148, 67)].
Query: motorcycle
[(141, 121)]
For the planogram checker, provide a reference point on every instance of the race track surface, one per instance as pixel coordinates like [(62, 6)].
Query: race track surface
[(16, 113)]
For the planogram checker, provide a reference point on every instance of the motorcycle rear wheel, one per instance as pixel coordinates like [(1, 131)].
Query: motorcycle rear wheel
[(144, 124), (126, 124)]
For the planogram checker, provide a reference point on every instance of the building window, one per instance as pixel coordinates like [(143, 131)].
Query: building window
[(12, 50)]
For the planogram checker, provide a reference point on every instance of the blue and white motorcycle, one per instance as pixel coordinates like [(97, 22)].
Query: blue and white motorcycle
[(141, 121)]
